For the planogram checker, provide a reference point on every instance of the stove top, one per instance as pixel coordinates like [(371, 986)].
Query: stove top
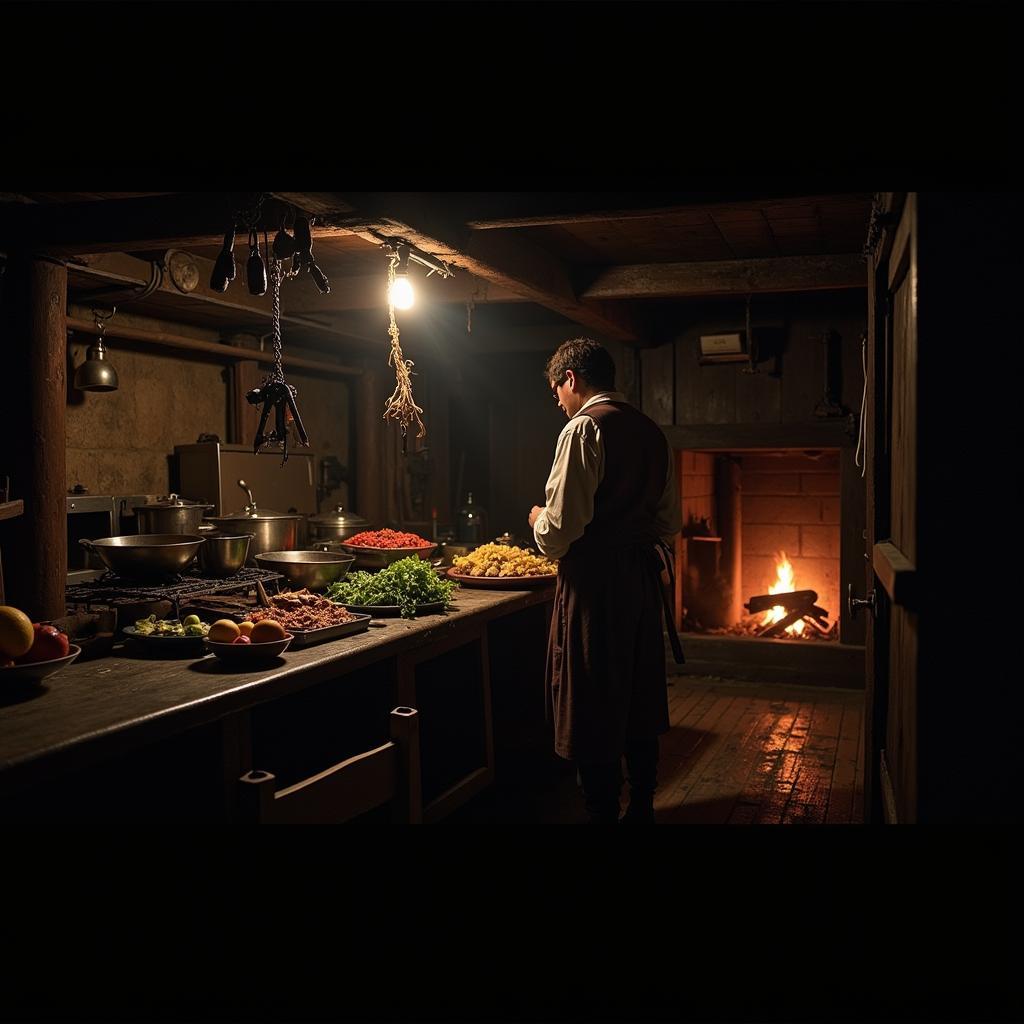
[(111, 589)]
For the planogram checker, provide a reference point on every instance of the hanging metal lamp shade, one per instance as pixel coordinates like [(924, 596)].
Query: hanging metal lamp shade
[(96, 373)]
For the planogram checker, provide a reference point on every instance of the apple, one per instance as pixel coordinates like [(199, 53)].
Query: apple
[(48, 643), (241, 639)]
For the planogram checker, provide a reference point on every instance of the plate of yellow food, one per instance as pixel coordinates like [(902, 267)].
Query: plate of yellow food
[(502, 567)]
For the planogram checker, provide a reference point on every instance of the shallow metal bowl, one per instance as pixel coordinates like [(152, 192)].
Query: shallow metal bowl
[(314, 570), (146, 555), (224, 554)]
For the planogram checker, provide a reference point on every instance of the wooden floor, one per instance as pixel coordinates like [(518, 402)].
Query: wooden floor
[(737, 753)]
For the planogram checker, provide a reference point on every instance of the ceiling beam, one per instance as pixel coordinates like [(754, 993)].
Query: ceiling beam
[(368, 291), (729, 277), (112, 269), (503, 259), (181, 220), (568, 208)]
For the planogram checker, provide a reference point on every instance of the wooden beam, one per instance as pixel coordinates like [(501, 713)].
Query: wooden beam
[(315, 203), (225, 352), (729, 277), (119, 268), (496, 256), (544, 209), (123, 225), (368, 291)]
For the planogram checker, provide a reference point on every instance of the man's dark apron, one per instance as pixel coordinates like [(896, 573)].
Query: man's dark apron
[(606, 654)]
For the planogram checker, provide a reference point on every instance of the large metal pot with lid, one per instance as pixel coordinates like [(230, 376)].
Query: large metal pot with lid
[(271, 531), (171, 515), (336, 525)]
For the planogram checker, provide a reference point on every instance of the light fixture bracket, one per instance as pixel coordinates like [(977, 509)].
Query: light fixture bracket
[(406, 251)]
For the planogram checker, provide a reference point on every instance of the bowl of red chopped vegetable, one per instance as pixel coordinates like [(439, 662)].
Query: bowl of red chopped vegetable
[(377, 549)]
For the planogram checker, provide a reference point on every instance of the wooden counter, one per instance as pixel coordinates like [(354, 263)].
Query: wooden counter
[(99, 713)]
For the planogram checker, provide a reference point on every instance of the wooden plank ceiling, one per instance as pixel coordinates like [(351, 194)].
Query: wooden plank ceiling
[(598, 259)]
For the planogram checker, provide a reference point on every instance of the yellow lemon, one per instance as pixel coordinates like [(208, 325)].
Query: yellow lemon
[(16, 632), (223, 631), (245, 628)]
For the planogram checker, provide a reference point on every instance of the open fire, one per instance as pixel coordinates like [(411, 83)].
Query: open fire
[(785, 583), (782, 612)]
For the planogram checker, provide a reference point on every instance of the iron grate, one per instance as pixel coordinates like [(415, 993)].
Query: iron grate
[(113, 589)]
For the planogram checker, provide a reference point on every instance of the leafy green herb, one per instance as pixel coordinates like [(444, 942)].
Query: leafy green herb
[(407, 583)]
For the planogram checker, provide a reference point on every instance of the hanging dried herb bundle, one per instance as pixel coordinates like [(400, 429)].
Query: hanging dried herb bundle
[(401, 406)]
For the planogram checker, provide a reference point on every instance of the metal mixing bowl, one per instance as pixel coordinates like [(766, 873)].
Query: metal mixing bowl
[(224, 554), (146, 555), (315, 570)]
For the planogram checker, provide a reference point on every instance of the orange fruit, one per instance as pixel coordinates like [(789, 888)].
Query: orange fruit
[(245, 628), (267, 631), (16, 632), (223, 631)]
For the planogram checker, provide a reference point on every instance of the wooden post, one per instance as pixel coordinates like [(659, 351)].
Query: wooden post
[(35, 344), (368, 448), (728, 497), (245, 418)]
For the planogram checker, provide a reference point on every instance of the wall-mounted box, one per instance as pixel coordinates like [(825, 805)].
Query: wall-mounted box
[(723, 348)]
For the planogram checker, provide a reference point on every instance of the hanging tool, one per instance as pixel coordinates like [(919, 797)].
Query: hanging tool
[(255, 270), (304, 254), (274, 392)]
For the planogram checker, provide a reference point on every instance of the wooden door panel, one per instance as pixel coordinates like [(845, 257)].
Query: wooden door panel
[(891, 739)]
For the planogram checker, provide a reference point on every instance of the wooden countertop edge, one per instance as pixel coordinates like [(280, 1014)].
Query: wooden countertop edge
[(135, 732)]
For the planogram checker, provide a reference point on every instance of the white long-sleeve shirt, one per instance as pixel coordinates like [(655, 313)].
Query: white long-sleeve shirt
[(576, 472)]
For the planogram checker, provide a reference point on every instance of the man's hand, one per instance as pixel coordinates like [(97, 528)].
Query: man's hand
[(534, 512)]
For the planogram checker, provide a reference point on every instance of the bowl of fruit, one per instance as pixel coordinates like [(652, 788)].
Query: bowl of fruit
[(244, 643), (31, 651)]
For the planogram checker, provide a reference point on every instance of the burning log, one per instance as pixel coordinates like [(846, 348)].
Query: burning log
[(796, 605)]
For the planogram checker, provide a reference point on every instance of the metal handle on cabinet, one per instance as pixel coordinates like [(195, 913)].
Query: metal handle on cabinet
[(853, 603)]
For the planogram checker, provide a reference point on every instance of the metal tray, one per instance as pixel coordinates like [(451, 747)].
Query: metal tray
[(304, 637)]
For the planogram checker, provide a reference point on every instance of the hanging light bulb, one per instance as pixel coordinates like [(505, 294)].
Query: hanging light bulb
[(401, 296), (96, 373)]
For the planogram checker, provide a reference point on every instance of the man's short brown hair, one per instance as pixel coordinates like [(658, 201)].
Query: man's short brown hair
[(587, 359)]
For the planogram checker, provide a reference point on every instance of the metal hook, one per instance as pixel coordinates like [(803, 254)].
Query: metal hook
[(100, 320)]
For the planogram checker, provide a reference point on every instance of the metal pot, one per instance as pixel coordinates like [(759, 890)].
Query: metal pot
[(171, 515), (336, 525), (146, 556), (271, 531)]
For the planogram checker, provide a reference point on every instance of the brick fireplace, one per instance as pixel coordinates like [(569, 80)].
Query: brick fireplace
[(747, 516), (747, 513)]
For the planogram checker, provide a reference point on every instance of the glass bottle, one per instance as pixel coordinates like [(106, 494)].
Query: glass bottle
[(471, 522)]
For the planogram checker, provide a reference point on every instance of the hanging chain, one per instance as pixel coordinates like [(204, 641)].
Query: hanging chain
[(275, 269)]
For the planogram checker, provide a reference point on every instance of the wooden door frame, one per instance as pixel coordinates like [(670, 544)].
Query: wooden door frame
[(888, 214)]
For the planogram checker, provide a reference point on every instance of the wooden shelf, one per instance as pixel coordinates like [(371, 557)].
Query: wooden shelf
[(10, 509)]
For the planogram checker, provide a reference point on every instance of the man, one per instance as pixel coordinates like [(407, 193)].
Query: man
[(610, 500)]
